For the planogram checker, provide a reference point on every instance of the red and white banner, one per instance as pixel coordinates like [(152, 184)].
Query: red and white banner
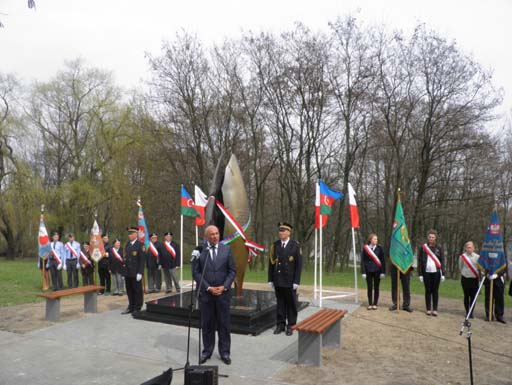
[(70, 248), (469, 263), (354, 214), (200, 202), (56, 256), (372, 255), (84, 258), (170, 249), (116, 255), (431, 255), (317, 209)]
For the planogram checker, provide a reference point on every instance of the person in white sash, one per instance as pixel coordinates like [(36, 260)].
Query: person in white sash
[(431, 270), (116, 267), (71, 261), (373, 268), (469, 275)]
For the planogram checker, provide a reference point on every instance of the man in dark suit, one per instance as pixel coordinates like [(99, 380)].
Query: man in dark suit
[(133, 269), (284, 271), (214, 273)]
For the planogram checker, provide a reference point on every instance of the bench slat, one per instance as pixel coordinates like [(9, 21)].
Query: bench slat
[(67, 292), (320, 321)]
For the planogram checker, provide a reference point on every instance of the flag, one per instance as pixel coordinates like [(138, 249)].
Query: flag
[(97, 247), (44, 240), (317, 209), (327, 198), (187, 204), (200, 202), (492, 256), (143, 235), (400, 250), (354, 214)]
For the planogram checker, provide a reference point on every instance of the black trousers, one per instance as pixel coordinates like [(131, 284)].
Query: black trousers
[(104, 278), (215, 315), (72, 272), (56, 277), (286, 311), (134, 292), (469, 287), (431, 282), (87, 277), (373, 283), (498, 291), (406, 291)]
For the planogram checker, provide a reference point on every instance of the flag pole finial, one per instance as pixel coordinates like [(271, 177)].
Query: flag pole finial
[(95, 214), (139, 203), (42, 208)]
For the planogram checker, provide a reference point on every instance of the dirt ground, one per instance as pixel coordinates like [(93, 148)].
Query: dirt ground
[(380, 347)]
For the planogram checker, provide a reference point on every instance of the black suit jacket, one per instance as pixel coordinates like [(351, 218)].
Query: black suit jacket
[(166, 259), (133, 259), (285, 265), (220, 271), (367, 264), (422, 259)]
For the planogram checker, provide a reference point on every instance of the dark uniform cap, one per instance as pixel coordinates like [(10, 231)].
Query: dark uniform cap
[(104, 235), (284, 226), (168, 233), (132, 229), (153, 235)]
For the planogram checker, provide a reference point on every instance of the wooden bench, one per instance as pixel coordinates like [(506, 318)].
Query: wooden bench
[(53, 300), (322, 329)]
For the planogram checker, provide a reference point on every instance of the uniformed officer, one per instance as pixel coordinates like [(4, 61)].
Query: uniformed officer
[(133, 269), (284, 271)]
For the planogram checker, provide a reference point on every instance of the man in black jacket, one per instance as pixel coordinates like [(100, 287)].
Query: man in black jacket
[(104, 266), (133, 258), (284, 270)]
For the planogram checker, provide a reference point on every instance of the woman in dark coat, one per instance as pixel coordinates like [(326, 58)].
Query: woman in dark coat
[(373, 268)]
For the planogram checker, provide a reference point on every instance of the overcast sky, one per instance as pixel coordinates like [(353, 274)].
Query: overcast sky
[(115, 34)]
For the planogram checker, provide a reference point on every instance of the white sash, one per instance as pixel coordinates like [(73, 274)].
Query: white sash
[(153, 249), (170, 249), (429, 252), (469, 263), (84, 258), (116, 255), (56, 256), (372, 255)]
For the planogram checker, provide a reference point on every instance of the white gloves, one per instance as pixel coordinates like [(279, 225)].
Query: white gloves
[(59, 266), (78, 266), (47, 266), (196, 254), (139, 277), (421, 278), (382, 276), (271, 284), (442, 278), (38, 264), (64, 267), (295, 286), (494, 276), (159, 267), (363, 275)]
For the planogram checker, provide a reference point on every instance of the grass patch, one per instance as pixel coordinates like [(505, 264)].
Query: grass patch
[(20, 282)]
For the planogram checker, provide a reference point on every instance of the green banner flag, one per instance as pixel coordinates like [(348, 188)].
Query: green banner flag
[(400, 250)]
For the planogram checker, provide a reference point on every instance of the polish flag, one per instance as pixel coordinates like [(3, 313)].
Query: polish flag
[(354, 214), (200, 202), (317, 209)]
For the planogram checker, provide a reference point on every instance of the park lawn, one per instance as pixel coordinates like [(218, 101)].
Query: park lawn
[(20, 282)]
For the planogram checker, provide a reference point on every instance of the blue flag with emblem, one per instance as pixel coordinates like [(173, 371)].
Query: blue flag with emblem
[(492, 255)]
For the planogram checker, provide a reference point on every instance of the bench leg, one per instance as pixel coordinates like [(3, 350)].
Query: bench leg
[(310, 346), (332, 336), (52, 309), (90, 302)]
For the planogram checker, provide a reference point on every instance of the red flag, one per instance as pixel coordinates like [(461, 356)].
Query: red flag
[(317, 209), (354, 214)]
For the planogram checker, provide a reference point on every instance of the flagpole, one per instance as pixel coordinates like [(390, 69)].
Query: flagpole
[(315, 270), (197, 236), (355, 264), (181, 251), (320, 263), (490, 301), (397, 289)]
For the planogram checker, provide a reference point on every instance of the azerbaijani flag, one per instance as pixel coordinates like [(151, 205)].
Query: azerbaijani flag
[(187, 204), (44, 240), (400, 250), (143, 235), (327, 198), (354, 214), (200, 205), (492, 256)]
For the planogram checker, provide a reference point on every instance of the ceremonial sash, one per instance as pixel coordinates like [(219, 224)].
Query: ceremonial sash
[(54, 253), (84, 258), (70, 248), (153, 250), (116, 255), (372, 255), (431, 255), (469, 263), (170, 249)]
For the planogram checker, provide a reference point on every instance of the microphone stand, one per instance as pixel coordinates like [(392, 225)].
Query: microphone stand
[(199, 288), (466, 325)]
